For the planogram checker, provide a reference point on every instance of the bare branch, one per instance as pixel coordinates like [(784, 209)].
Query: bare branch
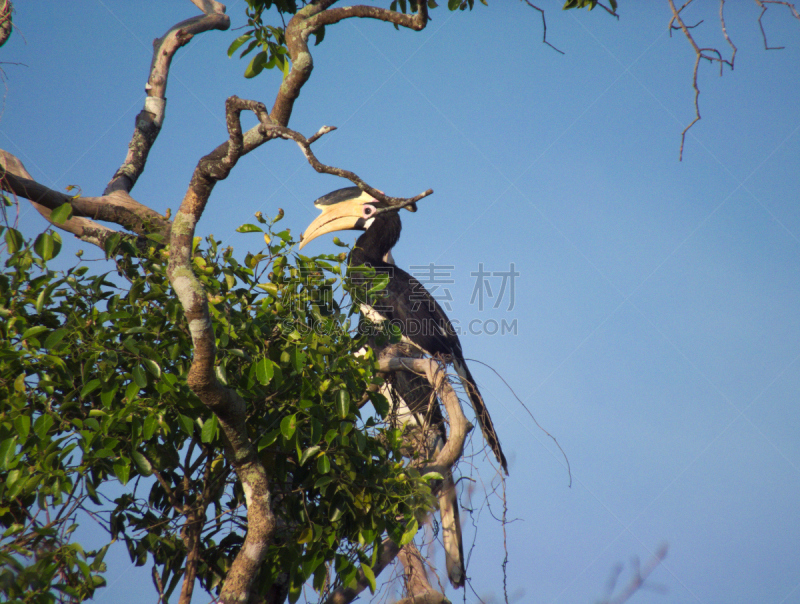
[(118, 207), (700, 53), (640, 575), (725, 33), (151, 118), (209, 6), (310, 18), (305, 147), (544, 26), (419, 588), (429, 598), (459, 426), (609, 10), (307, 20), (761, 3), (416, 578)]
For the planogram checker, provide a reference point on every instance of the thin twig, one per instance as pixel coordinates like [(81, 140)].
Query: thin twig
[(544, 27)]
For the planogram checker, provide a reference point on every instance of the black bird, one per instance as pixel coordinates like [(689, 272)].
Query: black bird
[(404, 302)]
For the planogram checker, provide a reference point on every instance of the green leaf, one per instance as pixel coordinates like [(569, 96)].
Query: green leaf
[(131, 391), (221, 374), (19, 383), (319, 35), (370, 576), (22, 424), (323, 481), (122, 470), (153, 367), (256, 65), (107, 397), (209, 430), (186, 423), (309, 453), (142, 464), (288, 426), (111, 243), (249, 228), (42, 425), (139, 376), (89, 388), (61, 214), (14, 240), (306, 535), (342, 403), (324, 465), (237, 43), (45, 246), (55, 337), (380, 403), (8, 449), (410, 532), (264, 371), (33, 332), (149, 427)]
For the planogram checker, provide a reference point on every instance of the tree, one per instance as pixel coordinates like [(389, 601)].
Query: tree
[(205, 320)]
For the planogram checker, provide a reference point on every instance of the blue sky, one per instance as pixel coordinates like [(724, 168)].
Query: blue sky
[(657, 301)]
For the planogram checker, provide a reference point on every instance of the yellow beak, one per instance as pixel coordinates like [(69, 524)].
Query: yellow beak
[(341, 216)]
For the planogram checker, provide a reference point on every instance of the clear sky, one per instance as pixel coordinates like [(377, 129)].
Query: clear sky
[(657, 305)]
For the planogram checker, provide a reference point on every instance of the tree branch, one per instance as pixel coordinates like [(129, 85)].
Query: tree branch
[(312, 17), (700, 53), (761, 4), (305, 147), (459, 426), (308, 19), (224, 402), (150, 119), (639, 578), (544, 26), (118, 207), (416, 578)]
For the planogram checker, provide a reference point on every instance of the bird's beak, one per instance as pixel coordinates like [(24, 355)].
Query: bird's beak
[(341, 216)]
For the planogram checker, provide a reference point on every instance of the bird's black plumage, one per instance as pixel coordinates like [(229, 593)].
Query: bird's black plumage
[(404, 301)]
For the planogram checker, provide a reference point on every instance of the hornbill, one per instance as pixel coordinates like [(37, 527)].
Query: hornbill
[(404, 301)]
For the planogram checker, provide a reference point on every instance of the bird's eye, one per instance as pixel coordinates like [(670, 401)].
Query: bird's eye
[(367, 211)]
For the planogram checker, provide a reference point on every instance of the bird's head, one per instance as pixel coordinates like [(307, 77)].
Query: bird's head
[(348, 209)]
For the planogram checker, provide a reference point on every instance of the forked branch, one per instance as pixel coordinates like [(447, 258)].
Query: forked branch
[(151, 118), (117, 207), (762, 4), (305, 146), (714, 55)]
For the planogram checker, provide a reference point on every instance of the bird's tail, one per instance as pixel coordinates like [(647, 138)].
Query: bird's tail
[(484, 419), (451, 531)]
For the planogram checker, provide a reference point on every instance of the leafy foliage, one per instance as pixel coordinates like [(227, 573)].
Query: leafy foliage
[(97, 423), (270, 39), (589, 4)]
